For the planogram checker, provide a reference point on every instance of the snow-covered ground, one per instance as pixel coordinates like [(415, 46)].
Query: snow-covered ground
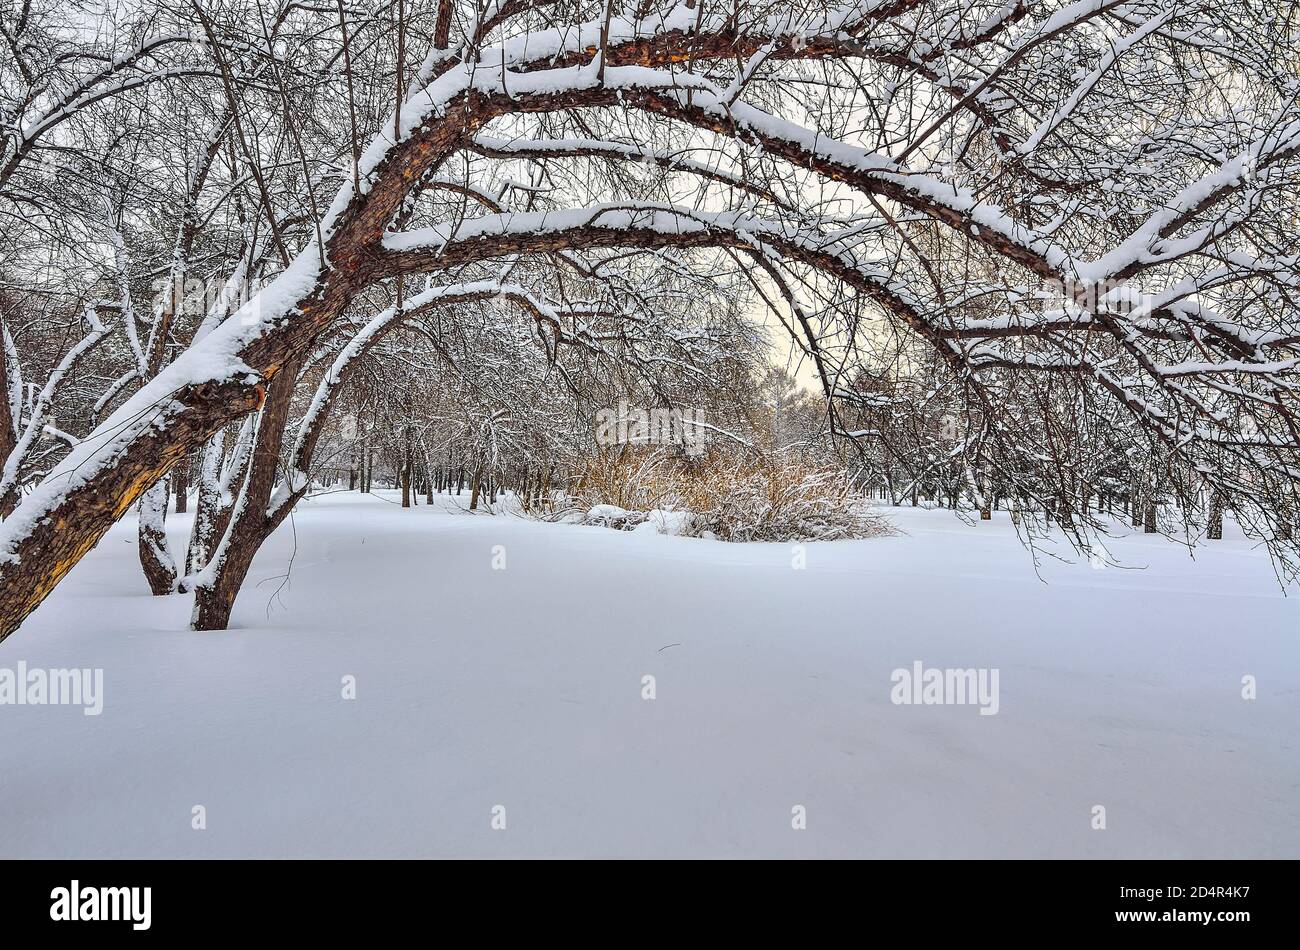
[(522, 687)]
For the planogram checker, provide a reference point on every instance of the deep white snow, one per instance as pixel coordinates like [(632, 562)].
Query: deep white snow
[(478, 687)]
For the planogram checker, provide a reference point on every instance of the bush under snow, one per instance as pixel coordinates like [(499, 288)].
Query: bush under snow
[(721, 497)]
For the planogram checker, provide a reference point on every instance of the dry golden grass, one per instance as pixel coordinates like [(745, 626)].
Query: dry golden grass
[(729, 497)]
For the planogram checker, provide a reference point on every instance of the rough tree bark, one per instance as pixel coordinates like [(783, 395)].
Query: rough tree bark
[(155, 556), (250, 523)]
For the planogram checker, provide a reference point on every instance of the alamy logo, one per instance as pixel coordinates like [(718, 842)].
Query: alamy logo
[(54, 687), (628, 425), (936, 686), (103, 903)]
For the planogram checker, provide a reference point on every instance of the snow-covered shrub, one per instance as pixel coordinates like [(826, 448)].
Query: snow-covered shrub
[(612, 516), (721, 496), (626, 478), (778, 501)]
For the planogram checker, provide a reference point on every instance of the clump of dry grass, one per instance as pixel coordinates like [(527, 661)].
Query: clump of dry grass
[(726, 497), (778, 500), (628, 478)]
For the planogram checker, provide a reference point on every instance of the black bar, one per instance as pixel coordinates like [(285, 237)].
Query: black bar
[(962, 899)]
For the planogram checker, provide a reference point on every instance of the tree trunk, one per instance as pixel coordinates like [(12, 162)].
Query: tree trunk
[(474, 489), (1063, 513), (203, 534), (155, 556), (405, 477), (1215, 530), (181, 485), (250, 523), (72, 521), (8, 425)]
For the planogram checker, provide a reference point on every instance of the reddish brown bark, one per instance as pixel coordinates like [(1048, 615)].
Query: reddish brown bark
[(251, 525)]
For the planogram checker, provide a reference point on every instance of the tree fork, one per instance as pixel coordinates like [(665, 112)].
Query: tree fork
[(75, 525)]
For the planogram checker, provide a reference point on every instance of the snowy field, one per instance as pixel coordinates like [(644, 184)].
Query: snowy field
[(523, 687)]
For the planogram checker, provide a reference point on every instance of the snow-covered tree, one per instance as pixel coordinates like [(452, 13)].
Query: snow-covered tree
[(1074, 212)]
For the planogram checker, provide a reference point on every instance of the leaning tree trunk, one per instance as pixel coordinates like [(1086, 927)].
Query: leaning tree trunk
[(73, 517)]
